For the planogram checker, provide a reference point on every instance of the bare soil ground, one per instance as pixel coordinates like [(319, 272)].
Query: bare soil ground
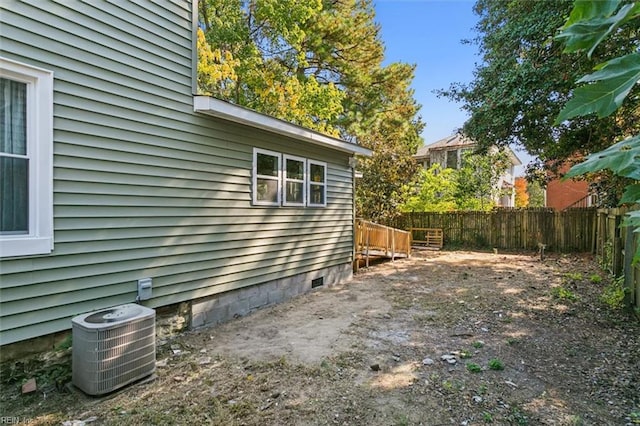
[(443, 338)]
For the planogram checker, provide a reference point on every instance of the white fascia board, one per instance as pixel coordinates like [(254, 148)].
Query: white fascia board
[(228, 111), (514, 158)]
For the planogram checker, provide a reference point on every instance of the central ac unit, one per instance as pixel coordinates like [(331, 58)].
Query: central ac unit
[(113, 347)]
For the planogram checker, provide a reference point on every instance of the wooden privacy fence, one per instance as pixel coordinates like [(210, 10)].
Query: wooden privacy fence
[(372, 239), (563, 231), (610, 239), (615, 247), (631, 271)]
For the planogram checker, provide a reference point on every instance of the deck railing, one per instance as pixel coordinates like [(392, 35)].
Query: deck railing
[(373, 239)]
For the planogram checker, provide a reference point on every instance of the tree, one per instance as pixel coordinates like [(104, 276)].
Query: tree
[(522, 195), (434, 192), (318, 64), (605, 90), (477, 180), (474, 186), (393, 133), (536, 194), (524, 80)]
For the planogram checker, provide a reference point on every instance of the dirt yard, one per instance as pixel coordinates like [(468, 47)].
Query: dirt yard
[(443, 338)]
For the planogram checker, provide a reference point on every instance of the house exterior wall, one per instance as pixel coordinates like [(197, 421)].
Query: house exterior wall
[(562, 194), (145, 187)]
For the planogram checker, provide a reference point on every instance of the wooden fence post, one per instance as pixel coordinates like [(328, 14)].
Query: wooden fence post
[(629, 282)]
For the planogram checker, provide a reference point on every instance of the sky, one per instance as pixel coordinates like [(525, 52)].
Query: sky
[(429, 34)]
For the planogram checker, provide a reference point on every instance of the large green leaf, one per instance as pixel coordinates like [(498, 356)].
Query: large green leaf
[(608, 88), (589, 9), (631, 194), (622, 158), (592, 23)]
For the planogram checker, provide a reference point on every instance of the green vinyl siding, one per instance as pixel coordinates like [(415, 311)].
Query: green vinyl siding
[(143, 186)]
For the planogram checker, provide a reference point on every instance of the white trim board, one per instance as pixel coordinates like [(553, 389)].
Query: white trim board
[(228, 111)]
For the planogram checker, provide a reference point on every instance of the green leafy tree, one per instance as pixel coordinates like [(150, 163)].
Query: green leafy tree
[(536, 194), (474, 186), (266, 39), (604, 91), (393, 133), (523, 80), (434, 192), (318, 64), (477, 180)]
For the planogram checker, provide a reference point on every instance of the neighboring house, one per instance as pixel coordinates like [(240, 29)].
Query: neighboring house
[(448, 153), (562, 194), (114, 170)]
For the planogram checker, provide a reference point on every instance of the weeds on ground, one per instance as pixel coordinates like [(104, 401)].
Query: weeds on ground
[(572, 276), (517, 417), (464, 354), (575, 420), (563, 293), (496, 364), (402, 420), (613, 294), (473, 367), (595, 279)]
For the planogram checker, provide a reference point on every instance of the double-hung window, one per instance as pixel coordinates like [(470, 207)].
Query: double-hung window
[(317, 184), (26, 178), (266, 177), (295, 172)]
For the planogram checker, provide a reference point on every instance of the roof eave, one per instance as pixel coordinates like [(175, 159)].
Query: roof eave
[(228, 111)]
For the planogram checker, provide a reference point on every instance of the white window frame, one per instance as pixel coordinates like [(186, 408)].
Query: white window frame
[(255, 177), (286, 179), (39, 239), (309, 183)]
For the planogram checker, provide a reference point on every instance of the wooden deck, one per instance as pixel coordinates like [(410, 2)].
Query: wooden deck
[(374, 240)]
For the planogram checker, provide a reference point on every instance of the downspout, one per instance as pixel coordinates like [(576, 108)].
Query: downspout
[(352, 164)]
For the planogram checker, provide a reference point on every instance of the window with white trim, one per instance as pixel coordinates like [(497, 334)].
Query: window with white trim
[(266, 177), (282, 179), (317, 184), (26, 165), (295, 172)]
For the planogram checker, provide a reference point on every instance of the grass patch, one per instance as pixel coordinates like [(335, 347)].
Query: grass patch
[(496, 364), (473, 367)]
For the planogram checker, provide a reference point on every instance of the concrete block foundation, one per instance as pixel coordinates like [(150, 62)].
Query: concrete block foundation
[(226, 306)]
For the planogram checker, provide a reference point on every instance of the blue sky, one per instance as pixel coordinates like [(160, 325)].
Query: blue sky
[(428, 33)]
